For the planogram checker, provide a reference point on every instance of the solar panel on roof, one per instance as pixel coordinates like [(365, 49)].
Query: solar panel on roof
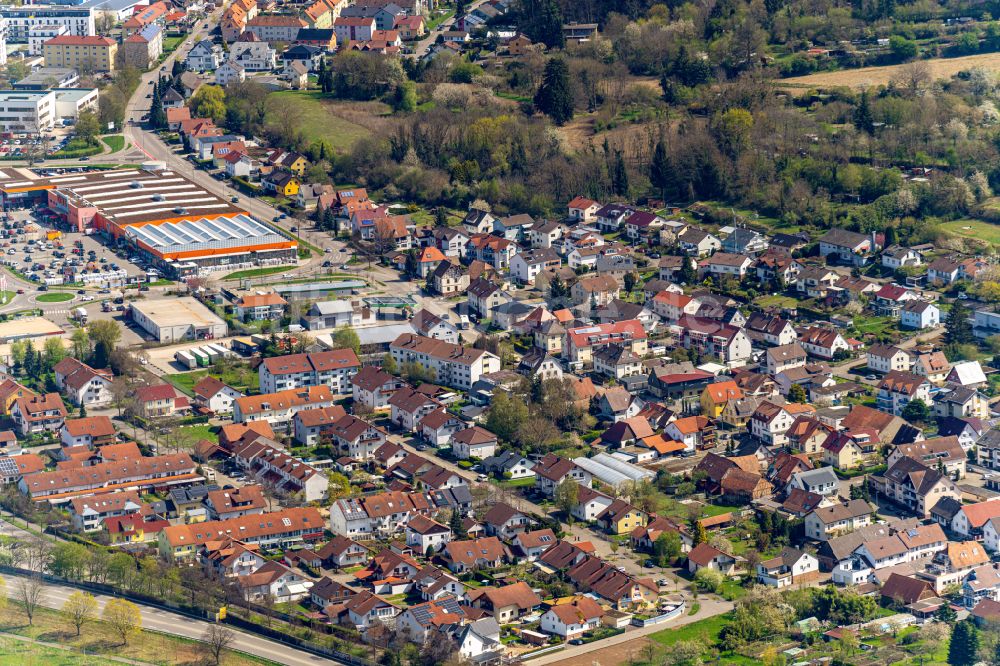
[(8, 467)]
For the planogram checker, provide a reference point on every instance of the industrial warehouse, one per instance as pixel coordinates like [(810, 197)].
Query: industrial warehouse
[(182, 228)]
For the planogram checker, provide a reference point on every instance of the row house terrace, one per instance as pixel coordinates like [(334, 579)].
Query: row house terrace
[(377, 515), (64, 484), (277, 469), (277, 529)]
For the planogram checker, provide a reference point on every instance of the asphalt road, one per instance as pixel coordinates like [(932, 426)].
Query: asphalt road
[(155, 619)]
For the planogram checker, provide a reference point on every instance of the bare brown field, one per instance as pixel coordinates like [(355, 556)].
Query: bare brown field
[(623, 653), (940, 68)]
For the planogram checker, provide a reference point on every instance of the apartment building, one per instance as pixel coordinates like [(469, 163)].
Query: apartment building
[(280, 407), (20, 19), (452, 365), (583, 341), (330, 368), (93, 53)]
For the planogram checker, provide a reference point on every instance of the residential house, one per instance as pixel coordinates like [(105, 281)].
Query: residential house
[(915, 486), (847, 247), (827, 522), (791, 567), (898, 388)]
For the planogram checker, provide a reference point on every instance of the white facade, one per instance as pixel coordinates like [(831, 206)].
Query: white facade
[(884, 362), (27, 111), (40, 33), (21, 18)]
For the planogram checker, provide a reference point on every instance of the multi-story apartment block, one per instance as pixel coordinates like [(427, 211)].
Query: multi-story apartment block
[(330, 368), (453, 365)]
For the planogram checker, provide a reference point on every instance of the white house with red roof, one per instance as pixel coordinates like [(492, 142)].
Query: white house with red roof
[(582, 209), (82, 384), (215, 395), (823, 342), (672, 305)]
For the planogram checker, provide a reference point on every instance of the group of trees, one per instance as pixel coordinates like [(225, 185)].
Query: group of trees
[(536, 417)]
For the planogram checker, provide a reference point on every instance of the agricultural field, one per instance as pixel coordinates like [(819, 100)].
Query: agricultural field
[(870, 77)]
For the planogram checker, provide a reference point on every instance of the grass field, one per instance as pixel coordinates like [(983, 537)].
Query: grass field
[(256, 272), (940, 68), (706, 631), (241, 379), (974, 229), (319, 121), (54, 297), (778, 301), (114, 141), (17, 653), (199, 432), (171, 43), (97, 639)]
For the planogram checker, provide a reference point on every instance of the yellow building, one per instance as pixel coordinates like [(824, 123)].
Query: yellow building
[(715, 396), (84, 54), (10, 391), (282, 184), (621, 518)]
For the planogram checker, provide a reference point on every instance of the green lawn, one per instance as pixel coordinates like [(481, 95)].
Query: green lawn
[(54, 297), (707, 631), (16, 653), (171, 43), (438, 20), (974, 229), (710, 510), (518, 483), (874, 325), (256, 272), (114, 141), (200, 432), (778, 301), (241, 378), (320, 120)]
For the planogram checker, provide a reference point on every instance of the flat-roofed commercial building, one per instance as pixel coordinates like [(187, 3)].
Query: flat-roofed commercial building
[(175, 319), (181, 227), (71, 101), (27, 110), (21, 18), (90, 53), (47, 78)]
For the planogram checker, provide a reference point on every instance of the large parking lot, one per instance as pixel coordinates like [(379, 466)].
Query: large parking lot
[(20, 144), (71, 257)]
